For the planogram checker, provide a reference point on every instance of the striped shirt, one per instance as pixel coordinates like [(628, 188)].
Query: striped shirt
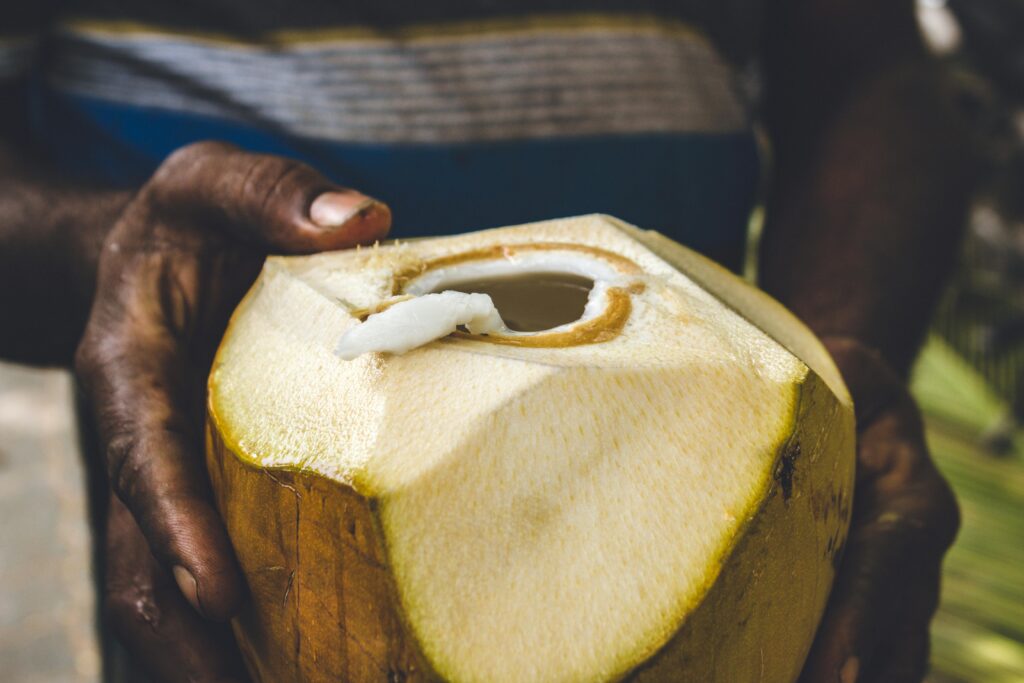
[(461, 114)]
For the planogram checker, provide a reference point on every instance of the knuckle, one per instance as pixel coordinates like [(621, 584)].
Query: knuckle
[(127, 608), (98, 351), (933, 518), (178, 170), (268, 180), (127, 464), (189, 155)]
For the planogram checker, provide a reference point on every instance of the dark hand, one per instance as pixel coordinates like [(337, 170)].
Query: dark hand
[(875, 629), (172, 269), (152, 619)]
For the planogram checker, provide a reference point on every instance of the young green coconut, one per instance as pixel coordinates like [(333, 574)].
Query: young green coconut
[(565, 451)]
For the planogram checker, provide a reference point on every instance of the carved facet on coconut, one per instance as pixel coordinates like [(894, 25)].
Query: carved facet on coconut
[(655, 488)]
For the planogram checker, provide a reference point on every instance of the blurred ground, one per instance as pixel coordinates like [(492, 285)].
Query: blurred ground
[(45, 594), (46, 599)]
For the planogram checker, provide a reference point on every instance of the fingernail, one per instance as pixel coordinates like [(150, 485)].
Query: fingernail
[(848, 674), (188, 586), (334, 209)]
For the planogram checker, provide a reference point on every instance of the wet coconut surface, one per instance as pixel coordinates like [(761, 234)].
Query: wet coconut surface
[(532, 302)]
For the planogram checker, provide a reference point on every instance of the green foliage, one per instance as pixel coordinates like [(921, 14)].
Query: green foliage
[(978, 634)]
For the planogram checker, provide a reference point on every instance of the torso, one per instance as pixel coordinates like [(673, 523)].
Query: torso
[(462, 114)]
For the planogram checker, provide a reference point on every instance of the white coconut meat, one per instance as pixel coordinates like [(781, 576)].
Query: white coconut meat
[(428, 315), (418, 321)]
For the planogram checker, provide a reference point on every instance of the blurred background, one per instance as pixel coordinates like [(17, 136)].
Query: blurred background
[(969, 380)]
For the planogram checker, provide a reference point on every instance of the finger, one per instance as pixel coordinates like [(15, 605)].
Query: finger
[(846, 638), (881, 637), (872, 383), (905, 661), (277, 203), (160, 631), (903, 657), (887, 588), (141, 387)]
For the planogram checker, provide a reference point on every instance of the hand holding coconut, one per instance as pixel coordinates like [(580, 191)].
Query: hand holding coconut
[(173, 267), (178, 260), (905, 518), (132, 348)]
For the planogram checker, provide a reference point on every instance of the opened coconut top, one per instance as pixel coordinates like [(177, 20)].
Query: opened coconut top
[(641, 313)]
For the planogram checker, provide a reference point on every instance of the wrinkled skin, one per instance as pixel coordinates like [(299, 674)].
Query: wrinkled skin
[(178, 261), (172, 269), (153, 620)]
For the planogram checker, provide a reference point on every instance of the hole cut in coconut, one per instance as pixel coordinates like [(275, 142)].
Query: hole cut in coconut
[(533, 295), (531, 302)]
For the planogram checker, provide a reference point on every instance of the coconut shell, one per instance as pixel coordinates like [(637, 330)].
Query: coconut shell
[(330, 567)]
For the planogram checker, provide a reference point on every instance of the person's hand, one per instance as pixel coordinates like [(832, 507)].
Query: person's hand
[(151, 617), (875, 628), (173, 267)]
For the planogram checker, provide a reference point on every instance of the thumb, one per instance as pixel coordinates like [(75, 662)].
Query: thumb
[(275, 203)]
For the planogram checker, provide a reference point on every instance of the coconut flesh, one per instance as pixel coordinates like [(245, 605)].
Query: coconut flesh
[(651, 482), (542, 287)]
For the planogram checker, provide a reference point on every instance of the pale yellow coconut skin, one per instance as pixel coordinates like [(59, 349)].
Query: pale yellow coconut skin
[(367, 528), (759, 619)]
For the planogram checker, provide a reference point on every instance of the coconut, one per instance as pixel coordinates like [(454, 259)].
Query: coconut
[(565, 451)]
